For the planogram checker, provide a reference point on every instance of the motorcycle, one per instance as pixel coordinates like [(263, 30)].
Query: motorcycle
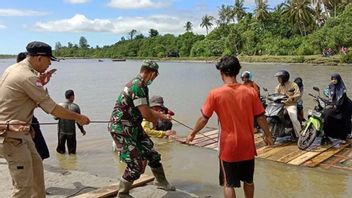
[(279, 122), (314, 125)]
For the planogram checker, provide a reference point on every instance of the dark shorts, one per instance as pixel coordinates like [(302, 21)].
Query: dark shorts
[(232, 173)]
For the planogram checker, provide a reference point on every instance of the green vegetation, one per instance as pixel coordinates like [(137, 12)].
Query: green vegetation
[(6, 56), (294, 31)]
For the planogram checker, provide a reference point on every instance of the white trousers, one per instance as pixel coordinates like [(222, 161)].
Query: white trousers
[(292, 112)]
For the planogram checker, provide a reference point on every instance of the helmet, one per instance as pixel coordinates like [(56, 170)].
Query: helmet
[(247, 74), (283, 74), (150, 64), (299, 82)]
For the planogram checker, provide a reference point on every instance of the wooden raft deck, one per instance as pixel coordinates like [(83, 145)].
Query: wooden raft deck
[(329, 156)]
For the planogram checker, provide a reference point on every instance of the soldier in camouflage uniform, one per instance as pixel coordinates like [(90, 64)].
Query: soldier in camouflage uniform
[(135, 147)]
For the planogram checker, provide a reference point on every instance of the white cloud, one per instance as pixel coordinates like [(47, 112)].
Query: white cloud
[(121, 25), (135, 4), (250, 2), (2, 27), (15, 12), (76, 1)]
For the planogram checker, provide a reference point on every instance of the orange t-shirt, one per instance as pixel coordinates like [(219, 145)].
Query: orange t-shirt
[(236, 106)]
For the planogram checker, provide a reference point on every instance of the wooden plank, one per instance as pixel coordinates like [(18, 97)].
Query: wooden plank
[(309, 155), (202, 135), (264, 149), (182, 140), (207, 142), (294, 154), (340, 167), (205, 134), (324, 156), (213, 138), (212, 146), (257, 141), (257, 138), (201, 138), (347, 155), (109, 191), (196, 141), (282, 153), (260, 144), (211, 132), (272, 151)]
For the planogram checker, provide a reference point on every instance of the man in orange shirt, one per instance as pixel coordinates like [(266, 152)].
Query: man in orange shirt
[(236, 106)]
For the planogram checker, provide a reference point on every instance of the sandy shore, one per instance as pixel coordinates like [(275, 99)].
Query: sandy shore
[(62, 183)]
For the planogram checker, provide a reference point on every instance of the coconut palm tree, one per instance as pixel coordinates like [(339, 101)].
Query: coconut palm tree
[(299, 14), (207, 22), (132, 33), (335, 6), (261, 10), (238, 10), (225, 14), (188, 26), (319, 15)]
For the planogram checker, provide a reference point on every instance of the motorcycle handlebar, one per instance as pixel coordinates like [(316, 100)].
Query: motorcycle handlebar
[(312, 95), (317, 98)]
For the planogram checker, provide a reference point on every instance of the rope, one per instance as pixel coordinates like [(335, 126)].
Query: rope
[(181, 123), (75, 193), (55, 123)]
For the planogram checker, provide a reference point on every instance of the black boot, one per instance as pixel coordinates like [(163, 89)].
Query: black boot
[(325, 141), (160, 179), (124, 188)]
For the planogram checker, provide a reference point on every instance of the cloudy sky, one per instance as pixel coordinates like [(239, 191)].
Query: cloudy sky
[(101, 22)]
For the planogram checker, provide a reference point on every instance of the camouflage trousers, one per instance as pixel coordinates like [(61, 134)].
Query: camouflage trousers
[(136, 149)]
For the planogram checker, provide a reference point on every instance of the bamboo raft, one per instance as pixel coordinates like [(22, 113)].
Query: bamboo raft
[(328, 156)]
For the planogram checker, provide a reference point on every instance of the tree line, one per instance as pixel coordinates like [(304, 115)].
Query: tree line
[(295, 27)]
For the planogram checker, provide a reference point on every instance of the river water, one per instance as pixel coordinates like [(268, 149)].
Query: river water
[(184, 87)]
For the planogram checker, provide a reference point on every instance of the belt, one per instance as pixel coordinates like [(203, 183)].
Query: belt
[(13, 135)]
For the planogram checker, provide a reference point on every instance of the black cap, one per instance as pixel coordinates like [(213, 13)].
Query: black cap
[(37, 48)]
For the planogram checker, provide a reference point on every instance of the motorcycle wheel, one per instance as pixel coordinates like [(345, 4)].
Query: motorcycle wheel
[(306, 137)]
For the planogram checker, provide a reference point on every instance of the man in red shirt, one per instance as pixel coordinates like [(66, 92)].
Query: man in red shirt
[(236, 106)]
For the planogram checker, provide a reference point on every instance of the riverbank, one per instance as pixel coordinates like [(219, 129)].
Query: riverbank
[(61, 183), (309, 59)]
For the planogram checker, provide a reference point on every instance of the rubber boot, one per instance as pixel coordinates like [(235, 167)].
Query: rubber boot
[(325, 141), (124, 188), (160, 179)]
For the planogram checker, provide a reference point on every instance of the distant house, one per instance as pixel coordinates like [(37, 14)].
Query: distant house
[(173, 54)]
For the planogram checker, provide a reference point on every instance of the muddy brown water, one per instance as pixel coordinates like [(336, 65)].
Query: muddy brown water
[(184, 87)]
